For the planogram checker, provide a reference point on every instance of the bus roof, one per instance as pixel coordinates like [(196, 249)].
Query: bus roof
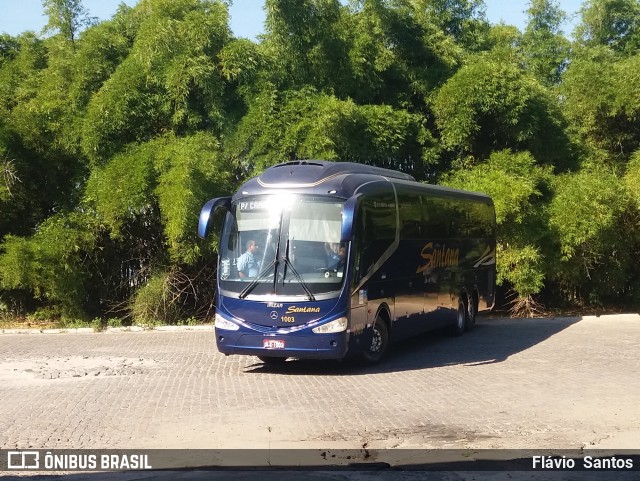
[(342, 179)]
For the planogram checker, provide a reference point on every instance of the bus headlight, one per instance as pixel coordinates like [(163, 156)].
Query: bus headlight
[(222, 323), (339, 325)]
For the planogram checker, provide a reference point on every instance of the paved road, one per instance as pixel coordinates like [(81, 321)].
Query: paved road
[(537, 383)]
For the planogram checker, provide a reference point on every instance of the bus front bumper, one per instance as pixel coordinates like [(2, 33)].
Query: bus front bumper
[(304, 346)]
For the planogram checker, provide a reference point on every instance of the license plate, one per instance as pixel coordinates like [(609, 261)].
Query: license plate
[(273, 344)]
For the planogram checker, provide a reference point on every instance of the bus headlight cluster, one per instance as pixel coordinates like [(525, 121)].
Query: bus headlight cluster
[(225, 324), (339, 325)]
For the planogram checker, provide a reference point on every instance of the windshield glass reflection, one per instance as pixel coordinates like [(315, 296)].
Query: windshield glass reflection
[(283, 245)]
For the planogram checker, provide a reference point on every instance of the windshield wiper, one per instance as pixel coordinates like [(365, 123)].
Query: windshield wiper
[(266, 271), (287, 262), (257, 280)]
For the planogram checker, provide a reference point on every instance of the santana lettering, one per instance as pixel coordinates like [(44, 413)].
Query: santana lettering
[(442, 257), (294, 309)]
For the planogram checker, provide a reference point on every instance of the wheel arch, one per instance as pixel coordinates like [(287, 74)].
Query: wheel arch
[(384, 313)]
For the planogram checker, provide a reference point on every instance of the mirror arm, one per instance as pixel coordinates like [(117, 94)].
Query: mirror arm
[(207, 212), (348, 215)]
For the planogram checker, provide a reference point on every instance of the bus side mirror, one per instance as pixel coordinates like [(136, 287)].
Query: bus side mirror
[(207, 212), (348, 215)]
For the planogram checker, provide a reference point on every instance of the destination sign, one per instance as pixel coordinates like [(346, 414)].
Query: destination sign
[(256, 205)]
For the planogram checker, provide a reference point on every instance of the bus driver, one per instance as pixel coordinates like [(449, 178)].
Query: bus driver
[(248, 263)]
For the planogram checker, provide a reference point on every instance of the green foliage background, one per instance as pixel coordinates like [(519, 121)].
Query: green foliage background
[(113, 135)]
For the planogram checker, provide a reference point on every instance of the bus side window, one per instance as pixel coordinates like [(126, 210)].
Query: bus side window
[(436, 217), (375, 230), (411, 221)]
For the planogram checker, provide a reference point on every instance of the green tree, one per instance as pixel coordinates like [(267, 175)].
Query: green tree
[(29, 115), (155, 64), (520, 191), (307, 37), (462, 20), (632, 178), (246, 67), (170, 81), (545, 48), (170, 175), (52, 264), (490, 105), (600, 100), (610, 23), (113, 135), (102, 48), (597, 231), (400, 51), (68, 17), (307, 124)]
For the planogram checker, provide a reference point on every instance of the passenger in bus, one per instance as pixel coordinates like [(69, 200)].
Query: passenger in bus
[(248, 263), (342, 255), (336, 255), (332, 253)]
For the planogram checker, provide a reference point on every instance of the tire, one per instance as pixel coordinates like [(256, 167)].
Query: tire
[(472, 312), (379, 343), (461, 319), (272, 361)]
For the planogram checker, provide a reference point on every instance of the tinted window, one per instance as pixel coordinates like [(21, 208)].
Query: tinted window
[(457, 218), (411, 221), (376, 230), (437, 217)]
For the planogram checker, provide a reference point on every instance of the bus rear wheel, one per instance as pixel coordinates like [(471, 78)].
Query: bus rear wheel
[(379, 343), (472, 312), (461, 319), (272, 361)]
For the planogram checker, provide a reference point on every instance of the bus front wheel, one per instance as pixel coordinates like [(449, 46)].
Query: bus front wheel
[(379, 342)]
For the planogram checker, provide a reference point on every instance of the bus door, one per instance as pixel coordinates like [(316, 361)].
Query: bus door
[(375, 245)]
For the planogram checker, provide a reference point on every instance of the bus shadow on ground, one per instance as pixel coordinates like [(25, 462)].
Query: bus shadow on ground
[(492, 341)]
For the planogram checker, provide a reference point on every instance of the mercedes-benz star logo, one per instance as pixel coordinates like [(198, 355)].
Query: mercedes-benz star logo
[(273, 315)]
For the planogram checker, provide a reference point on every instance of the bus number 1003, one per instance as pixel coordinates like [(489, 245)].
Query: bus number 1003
[(288, 319)]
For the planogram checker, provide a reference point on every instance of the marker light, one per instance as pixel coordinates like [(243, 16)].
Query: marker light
[(224, 324), (339, 325)]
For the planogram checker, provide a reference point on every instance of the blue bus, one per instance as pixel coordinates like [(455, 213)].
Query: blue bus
[(325, 260)]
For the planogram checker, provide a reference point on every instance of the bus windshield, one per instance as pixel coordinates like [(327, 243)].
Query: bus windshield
[(283, 245)]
